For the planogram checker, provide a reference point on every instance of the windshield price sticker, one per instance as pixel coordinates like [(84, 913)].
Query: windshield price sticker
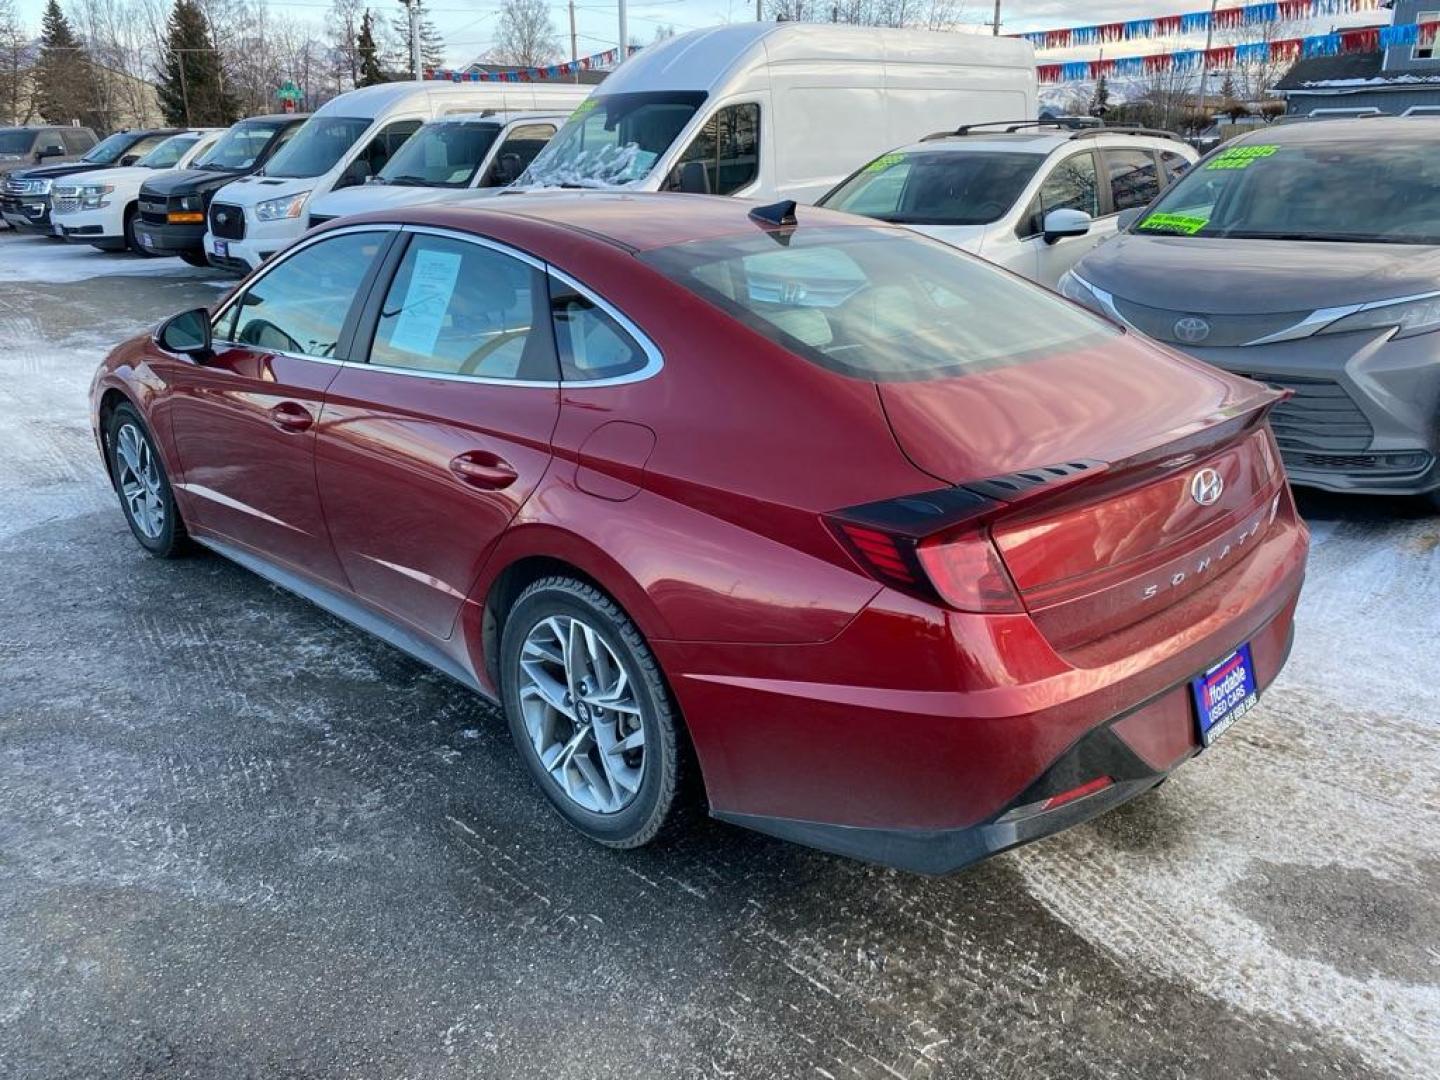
[(884, 161), (1180, 223), (1240, 157), (584, 109)]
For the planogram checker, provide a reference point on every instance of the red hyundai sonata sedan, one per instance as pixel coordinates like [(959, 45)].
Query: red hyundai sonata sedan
[(883, 550)]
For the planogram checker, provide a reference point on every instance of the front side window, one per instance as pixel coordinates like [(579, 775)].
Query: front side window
[(1339, 188), (936, 187), (729, 147), (384, 145), (1134, 178), (613, 139), (241, 146), (300, 306), (457, 308), (881, 304), (445, 154), (1074, 184), (168, 154), (519, 149), (316, 148)]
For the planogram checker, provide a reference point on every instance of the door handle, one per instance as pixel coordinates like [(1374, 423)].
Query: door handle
[(290, 416), (483, 470)]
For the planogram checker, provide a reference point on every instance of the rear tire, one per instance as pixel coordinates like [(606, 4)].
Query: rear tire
[(142, 486), (590, 713)]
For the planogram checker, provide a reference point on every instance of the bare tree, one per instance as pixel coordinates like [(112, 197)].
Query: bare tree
[(525, 35), (1252, 79), (16, 56), (921, 14), (1167, 98), (344, 41)]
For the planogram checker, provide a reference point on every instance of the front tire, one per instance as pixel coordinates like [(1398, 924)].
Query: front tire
[(196, 259), (131, 241), (590, 712), (140, 481)]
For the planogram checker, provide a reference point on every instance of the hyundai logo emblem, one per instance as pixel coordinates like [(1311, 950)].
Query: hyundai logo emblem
[(1192, 329), (1206, 487)]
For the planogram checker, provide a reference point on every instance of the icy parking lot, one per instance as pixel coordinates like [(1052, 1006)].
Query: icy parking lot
[(238, 838)]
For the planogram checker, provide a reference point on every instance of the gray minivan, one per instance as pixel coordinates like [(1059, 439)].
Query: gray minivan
[(1306, 256)]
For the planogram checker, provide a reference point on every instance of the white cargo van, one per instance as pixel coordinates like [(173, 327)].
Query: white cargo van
[(474, 152), (780, 110), (343, 144)]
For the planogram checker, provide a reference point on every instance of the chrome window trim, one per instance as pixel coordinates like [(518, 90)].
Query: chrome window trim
[(267, 268), (1317, 320), (654, 359)]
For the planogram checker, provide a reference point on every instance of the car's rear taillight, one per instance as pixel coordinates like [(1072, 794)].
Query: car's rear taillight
[(934, 546)]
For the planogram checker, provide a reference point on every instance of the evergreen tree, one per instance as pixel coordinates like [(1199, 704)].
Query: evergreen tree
[(371, 73), (63, 78), (1100, 100), (192, 81), (432, 45)]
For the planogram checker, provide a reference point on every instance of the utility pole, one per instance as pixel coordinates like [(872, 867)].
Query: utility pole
[(624, 34), (574, 45), (412, 8), (995, 27), (1205, 60), (759, 14), (184, 87)]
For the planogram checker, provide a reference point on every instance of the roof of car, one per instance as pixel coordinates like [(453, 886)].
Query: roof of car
[(1341, 129), (637, 221)]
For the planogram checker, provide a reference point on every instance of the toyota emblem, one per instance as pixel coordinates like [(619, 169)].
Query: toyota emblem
[(1206, 487), (1192, 330)]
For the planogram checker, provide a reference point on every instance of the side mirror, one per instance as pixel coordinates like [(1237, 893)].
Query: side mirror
[(187, 334), (129, 159), (693, 179), (49, 152), (1062, 223), (507, 170), (1126, 218)]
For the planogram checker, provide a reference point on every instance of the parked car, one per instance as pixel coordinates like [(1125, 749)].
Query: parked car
[(172, 205), (1032, 198), (101, 209), (21, 147), (779, 110), (447, 160), (346, 142), (25, 196), (1306, 256), (913, 559)]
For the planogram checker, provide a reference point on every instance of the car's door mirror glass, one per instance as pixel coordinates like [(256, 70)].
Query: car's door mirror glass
[(187, 333), (51, 151), (129, 159)]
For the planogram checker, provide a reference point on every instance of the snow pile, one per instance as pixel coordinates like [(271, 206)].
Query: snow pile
[(42, 261)]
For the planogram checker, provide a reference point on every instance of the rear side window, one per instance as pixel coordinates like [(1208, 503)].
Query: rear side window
[(1074, 184), (1134, 177), (592, 344), (881, 304), (456, 308), (300, 306), (729, 147), (1175, 164)]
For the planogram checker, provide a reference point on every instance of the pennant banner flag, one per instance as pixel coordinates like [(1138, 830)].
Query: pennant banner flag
[(1345, 42), (1196, 22), (532, 74)]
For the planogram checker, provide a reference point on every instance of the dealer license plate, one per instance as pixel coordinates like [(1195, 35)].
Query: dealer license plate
[(1224, 694), (220, 248)]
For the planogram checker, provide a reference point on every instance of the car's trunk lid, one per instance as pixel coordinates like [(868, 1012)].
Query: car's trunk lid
[(1095, 463)]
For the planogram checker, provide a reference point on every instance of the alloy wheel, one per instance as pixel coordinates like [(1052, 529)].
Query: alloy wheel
[(582, 714), (139, 479)]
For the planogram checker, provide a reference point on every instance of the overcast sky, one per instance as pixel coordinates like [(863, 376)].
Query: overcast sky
[(469, 24)]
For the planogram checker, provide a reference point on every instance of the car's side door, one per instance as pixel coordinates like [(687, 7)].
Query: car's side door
[(427, 451), (1073, 183), (243, 419)]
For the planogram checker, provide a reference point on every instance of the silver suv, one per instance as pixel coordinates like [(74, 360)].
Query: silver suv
[(1306, 256)]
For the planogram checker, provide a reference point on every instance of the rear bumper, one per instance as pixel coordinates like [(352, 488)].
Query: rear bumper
[(1366, 416), (966, 718)]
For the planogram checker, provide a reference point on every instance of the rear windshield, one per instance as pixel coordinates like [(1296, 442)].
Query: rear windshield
[(880, 304), (936, 187), (1357, 190)]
